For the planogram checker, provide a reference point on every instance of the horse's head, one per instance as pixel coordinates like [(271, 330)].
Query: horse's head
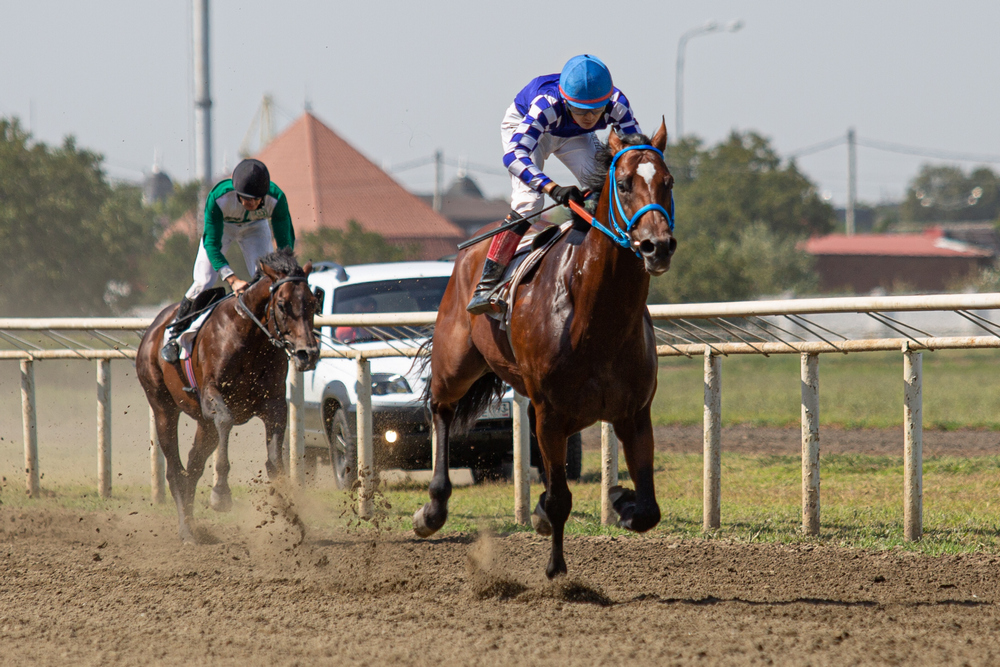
[(643, 195), (292, 308)]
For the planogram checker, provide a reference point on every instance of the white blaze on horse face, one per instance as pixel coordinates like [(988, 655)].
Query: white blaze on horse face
[(647, 170)]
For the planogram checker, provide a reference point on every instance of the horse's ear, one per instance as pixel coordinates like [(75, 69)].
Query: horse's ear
[(660, 138), (268, 271), (307, 269), (614, 142)]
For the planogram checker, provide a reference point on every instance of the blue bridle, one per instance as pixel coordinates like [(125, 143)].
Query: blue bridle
[(617, 212)]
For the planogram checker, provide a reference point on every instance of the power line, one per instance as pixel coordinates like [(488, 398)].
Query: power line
[(927, 152), (816, 148), (897, 148)]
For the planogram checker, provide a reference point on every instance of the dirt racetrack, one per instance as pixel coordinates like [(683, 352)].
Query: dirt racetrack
[(89, 588), (112, 588)]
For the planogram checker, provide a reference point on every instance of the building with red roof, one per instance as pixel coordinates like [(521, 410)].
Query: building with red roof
[(927, 262), (328, 183)]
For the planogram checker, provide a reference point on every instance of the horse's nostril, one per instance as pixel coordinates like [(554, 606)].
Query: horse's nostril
[(671, 246), (647, 247)]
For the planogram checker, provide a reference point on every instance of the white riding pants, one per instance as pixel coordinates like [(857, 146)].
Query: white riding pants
[(577, 153), (255, 240)]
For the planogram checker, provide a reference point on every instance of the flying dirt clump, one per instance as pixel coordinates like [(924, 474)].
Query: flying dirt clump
[(488, 582)]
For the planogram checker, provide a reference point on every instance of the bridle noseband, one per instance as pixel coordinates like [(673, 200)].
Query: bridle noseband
[(617, 212), (276, 339)]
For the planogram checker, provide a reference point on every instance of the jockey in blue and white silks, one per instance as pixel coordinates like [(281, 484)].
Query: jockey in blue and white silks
[(555, 114)]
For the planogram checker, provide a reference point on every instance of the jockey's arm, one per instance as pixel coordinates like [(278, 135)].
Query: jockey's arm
[(517, 157), (281, 224)]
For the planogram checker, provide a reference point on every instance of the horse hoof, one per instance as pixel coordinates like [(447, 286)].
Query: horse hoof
[(220, 501), (540, 521), (424, 527), (555, 568)]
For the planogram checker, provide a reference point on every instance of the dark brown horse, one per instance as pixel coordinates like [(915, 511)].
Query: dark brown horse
[(240, 361), (581, 343)]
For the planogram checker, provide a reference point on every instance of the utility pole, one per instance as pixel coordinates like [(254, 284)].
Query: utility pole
[(852, 182), (202, 97), (438, 164)]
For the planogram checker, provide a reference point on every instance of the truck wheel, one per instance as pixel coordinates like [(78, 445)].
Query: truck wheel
[(574, 457), (498, 472), (343, 450)]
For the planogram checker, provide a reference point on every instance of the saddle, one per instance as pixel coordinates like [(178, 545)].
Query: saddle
[(201, 302), (526, 259), (187, 331)]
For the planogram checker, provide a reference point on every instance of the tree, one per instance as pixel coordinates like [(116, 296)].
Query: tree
[(72, 243), (942, 193), (351, 246), (740, 217)]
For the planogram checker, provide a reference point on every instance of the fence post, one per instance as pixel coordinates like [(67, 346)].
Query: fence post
[(913, 444), (157, 464), (522, 460), (810, 443), (366, 458), (296, 426), (30, 427), (712, 489), (104, 428), (609, 473)]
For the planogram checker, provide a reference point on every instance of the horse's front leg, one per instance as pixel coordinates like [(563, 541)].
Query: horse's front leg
[(206, 439), (637, 509), (555, 503), (275, 423), (431, 516), (221, 499)]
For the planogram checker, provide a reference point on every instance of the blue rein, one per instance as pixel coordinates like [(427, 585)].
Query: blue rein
[(617, 212)]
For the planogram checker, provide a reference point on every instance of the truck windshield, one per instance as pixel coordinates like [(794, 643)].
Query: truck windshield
[(406, 295)]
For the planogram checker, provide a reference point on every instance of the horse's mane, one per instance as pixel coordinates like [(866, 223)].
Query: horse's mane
[(594, 180), (282, 261)]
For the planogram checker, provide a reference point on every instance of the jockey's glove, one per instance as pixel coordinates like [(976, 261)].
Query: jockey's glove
[(563, 194)]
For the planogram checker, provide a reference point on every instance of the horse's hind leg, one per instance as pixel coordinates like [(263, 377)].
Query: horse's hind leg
[(431, 516), (555, 504), (166, 414), (637, 509)]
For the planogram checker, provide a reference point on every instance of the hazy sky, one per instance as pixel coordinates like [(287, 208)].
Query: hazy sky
[(399, 80)]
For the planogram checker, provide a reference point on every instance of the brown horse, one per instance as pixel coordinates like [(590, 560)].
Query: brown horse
[(240, 362), (581, 342)]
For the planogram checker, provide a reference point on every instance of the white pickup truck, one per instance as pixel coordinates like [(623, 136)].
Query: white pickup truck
[(400, 418)]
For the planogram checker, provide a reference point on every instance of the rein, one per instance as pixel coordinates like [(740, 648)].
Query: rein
[(618, 235), (275, 339)]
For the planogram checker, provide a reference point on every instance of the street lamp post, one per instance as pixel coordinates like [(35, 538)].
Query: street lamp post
[(710, 27)]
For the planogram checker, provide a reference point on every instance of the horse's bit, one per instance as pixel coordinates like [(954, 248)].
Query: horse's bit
[(275, 340), (620, 236)]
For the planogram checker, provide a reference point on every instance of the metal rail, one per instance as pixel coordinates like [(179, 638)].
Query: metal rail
[(709, 331)]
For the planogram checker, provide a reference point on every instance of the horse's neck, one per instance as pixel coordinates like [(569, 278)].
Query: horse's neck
[(255, 299), (621, 282)]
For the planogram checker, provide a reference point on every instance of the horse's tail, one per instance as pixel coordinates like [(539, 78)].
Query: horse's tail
[(485, 391)]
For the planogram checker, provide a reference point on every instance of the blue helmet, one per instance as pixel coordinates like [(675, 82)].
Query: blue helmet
[(585, 82)]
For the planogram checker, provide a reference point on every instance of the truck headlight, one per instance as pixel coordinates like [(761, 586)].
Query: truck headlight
[(389, 383)]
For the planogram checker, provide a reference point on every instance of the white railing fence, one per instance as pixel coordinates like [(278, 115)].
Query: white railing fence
[(807, 327)]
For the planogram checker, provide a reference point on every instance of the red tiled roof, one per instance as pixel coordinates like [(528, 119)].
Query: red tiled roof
[(932, 243), (328, 183)]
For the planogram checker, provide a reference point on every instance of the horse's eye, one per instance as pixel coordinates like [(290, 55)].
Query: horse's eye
[(625, 186)]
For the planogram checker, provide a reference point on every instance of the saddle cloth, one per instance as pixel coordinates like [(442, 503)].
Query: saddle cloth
[(527, 256)]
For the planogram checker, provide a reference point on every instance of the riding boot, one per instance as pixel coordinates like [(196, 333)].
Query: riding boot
[(501, 251), (492, 272), (171, 352)]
